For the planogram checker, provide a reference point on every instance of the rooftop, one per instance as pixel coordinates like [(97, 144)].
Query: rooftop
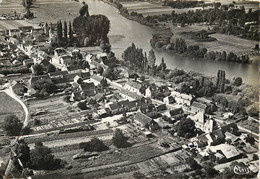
[(134, 84), (199, 105), (142, 118)]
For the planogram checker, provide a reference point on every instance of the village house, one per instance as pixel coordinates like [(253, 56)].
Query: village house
[(169, 100), (226, 153), (148, 92), (76, 96), (197, 107), (74, 69), (33, 80), (25, 29), (87, 89), (145, 121), (132, 86), (17, 87), (14, 32), (203, 122), (181, 98), (61, 58), (37, 31), (115, 108), (28, 62), (58, 74)]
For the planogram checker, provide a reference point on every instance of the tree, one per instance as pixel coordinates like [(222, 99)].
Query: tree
[(59, 32), (27, 3), (91, 30), (210, 170), (44, 87), (186, 128), (84, 11), (43, 159), (134, 57), (95, 145), (70, 33), (105, 47), (237, 81), (82, 105), (22, 151), (193, 163), (100, 70), (151, 58), (51, 68), (250, 139), (65, 32), (220, 84), (12, 125), (37, 69), (119, 140), (109, 73)]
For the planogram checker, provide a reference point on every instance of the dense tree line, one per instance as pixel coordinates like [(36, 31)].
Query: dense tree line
[(39, 158), (91, 30), (64, 37), (184, 4), (137, 60), (180, 46)]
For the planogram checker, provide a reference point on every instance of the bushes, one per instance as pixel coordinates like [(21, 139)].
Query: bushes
[(12, 125), (43, 159), (237, 81), (95, 145), (82, 105), (119, 140)]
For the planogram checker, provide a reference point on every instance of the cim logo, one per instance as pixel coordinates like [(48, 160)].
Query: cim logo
[(241, 170)]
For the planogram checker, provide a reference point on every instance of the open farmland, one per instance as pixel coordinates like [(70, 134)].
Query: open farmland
[(9, 107), (9, 7), (147, 8), (13, 24), (53, 11), (224, 42)]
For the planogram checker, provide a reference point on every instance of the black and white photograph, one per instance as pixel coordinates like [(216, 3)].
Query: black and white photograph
[(129, 89)]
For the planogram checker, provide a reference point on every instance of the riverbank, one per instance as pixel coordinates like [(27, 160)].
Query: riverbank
[(209, 47)]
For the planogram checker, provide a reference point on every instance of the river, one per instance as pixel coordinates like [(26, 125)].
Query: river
[(123, 32)]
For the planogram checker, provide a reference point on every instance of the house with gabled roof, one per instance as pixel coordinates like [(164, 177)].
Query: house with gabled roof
[(232, 128), (115, 108), (74, 69), (132, 86), (226, 152), (17, 87), (182, 99), (28, 62), (145, 121), (87, 89), (197, 107), (58, 74)]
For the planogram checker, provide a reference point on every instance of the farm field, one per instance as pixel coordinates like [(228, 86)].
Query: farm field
[(9, 107), (46, 11), (9, 7), (13, 24), (224, 42), (147, 8)]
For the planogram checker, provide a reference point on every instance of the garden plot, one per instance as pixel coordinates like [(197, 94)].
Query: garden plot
[(55, 113), (9, 107)]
